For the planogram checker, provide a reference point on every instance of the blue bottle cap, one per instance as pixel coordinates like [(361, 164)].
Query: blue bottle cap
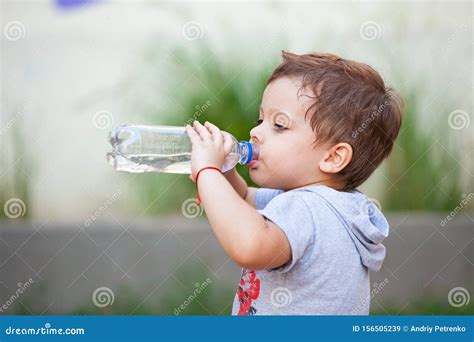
[(250, 152)]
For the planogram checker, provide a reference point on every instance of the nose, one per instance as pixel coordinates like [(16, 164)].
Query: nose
[(255, 135)]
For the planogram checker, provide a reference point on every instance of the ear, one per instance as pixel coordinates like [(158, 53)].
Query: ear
[(336, 158)]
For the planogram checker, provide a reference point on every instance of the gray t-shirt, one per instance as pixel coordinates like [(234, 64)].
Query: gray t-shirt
[(335, 239)]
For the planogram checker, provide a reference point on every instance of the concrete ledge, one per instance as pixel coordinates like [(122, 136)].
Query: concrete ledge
[(68, 262)]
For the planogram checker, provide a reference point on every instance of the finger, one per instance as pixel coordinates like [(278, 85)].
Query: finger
[(192, 178), (202, 131), (215, 133), (192, 134), (228, 142)]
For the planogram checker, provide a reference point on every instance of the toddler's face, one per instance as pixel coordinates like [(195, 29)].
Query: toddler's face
[(287, 156)]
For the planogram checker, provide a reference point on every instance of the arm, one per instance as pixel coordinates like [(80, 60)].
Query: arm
[(248, 239), (238, 183)]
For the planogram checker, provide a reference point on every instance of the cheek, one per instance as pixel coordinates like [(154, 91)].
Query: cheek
[(299, 157), (279, 147), (288, 150)]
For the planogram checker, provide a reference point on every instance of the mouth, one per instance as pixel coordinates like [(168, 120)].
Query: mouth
[(252, 164)]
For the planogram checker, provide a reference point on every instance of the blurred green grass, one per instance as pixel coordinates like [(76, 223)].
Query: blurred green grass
[(423, 167), (18, 167), (217, 299), (421, 174), (203, 88), (427, 305)]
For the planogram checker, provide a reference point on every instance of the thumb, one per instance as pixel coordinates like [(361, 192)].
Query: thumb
[(192, 178)]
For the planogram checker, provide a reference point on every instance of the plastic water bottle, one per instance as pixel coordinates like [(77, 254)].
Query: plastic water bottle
[(140, 148)]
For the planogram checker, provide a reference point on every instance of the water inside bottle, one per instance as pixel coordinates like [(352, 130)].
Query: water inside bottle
[(139, 148), (179, 163)]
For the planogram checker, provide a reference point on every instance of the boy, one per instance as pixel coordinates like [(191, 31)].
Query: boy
[(307, 238)]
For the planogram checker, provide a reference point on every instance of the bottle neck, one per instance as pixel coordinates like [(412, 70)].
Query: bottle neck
[(247, 151)]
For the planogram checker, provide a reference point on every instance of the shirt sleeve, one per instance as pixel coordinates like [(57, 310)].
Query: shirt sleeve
[(291, 213), (263, 196)]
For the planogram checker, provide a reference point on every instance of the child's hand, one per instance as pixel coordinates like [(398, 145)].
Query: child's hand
[(210, 146)]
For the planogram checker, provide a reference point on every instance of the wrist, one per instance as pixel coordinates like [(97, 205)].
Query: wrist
[(197, 170), (203, 169)]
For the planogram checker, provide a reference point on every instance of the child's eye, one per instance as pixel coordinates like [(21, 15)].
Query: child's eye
[(280, 127)]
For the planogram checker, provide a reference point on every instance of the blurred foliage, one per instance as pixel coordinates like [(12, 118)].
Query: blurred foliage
[(422, 172), (219, 302), (427, 305), (215, 299), (17, 169), (203, 88)]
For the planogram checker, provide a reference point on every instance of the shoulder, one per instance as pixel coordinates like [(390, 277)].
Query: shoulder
[(301, 197)]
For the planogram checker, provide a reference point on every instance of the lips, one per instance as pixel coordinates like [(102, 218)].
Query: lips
[(252, 163)]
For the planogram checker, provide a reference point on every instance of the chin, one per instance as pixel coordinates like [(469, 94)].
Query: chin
[(261, 179), (257, 178), (254, 177)]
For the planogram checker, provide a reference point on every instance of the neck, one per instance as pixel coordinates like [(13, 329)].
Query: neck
[(327, 182)]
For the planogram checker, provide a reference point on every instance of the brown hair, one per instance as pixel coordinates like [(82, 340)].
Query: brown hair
[(351, 104)]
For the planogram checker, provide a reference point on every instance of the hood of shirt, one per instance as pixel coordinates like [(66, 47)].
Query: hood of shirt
[(362, 218)]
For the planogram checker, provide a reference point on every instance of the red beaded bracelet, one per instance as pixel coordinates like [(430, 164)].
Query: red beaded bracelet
[(198, 199)]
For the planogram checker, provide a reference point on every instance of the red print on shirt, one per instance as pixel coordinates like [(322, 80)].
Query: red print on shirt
[(249, 289)]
